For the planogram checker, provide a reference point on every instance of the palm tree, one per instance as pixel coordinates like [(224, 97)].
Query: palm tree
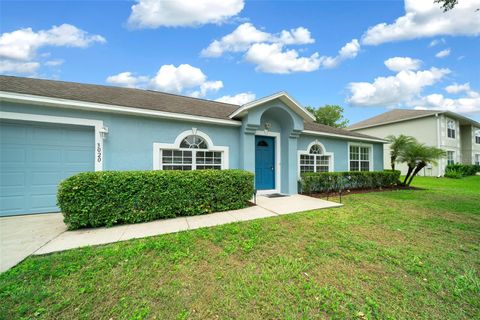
[(397, 144), (417, 156)]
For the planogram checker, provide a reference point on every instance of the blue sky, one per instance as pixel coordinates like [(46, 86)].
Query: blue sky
[(395, 54)]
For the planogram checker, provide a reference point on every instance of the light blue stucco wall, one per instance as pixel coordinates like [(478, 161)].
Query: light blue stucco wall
[(339, 147), (129, 143)]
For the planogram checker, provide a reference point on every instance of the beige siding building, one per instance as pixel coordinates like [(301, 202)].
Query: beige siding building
[(457, 135)]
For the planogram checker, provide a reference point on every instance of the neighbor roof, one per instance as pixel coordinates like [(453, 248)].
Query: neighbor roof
[(397, 115), (141, 99)]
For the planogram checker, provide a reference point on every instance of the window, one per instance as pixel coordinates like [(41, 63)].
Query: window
[(477, 136), (450, 157), (315, 160), (451, 129), (191, 151), (477, 159), (359, 158)]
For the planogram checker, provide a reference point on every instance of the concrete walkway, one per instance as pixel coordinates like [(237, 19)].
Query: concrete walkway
[(21, 236), (266, 207)]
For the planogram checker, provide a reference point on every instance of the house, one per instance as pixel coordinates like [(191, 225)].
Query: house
[(53, 129), (457, 135)]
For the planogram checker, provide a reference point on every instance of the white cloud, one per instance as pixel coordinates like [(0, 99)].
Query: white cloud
[(206, 87), (19, 48), (402, 63), (55, 62), (238, 99), (436, 42), (246, 34), (348, 51), (167, 13), (23, 44), (11, 66), (272, 58), (127, 79), (395, 90), (457, 88), (269, 53), (427, 19), (468, 104), (175, 79), (169, 78), (443, 53)]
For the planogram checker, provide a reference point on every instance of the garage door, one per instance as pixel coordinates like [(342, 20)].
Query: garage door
[(34, 158)]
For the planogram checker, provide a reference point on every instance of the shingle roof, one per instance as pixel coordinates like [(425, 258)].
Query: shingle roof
[(313, 126), (395, 115), (137, 98)]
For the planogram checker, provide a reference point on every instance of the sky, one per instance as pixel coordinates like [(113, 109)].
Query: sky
[(367, 56)]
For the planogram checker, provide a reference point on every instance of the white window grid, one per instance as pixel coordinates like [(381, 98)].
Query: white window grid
[(359, 158), (477, 136), (190, 159), (450, 157), (314, 161), (451, 128)]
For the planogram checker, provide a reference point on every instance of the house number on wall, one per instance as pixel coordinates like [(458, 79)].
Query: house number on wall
[(99, 153)]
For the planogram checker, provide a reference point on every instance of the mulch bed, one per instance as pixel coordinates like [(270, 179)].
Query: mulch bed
[(357, 191)]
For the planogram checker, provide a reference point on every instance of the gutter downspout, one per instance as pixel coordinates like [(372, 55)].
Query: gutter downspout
[(440, 164)]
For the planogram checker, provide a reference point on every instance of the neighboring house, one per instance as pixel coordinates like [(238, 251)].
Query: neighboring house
[(457, 135), (52, 129)]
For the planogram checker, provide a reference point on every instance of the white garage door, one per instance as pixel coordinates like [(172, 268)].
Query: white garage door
[(34, 158)]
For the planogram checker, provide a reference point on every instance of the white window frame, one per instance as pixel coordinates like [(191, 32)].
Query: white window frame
[(330, 156), (476, 136), (454, 129), (158, 147), (361, 145), (454, 155), (477, 156), (96, 124)]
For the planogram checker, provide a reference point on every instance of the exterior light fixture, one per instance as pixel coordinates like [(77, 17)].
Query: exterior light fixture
[(103, 132)]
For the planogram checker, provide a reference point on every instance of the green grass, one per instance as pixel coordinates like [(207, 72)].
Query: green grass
[(387, 255)]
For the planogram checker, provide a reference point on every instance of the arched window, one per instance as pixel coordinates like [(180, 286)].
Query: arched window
[(315, 159), (194, 142), (192, 150)]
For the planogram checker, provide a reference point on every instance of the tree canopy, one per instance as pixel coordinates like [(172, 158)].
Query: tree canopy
[(447, 4), (330, 115)]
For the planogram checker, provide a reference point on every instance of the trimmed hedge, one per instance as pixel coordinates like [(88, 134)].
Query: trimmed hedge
[(459, 170), (335, 181), (94, 199)]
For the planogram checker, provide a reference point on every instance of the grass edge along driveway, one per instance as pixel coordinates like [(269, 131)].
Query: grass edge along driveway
[(386, 255)]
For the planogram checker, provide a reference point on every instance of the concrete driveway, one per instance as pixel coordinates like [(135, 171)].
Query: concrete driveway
[(21, 236)]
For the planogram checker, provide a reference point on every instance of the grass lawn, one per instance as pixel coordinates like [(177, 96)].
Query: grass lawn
[(385, 255)]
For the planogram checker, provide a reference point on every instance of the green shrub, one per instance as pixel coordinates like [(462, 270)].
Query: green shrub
[(333, 181), (453, 175), (105, 198), (464, 170)]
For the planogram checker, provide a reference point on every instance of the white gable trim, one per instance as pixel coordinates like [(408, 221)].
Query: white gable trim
[(289, 101), (325, 134)]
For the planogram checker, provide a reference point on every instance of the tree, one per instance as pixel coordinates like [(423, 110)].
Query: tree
[(447, 4), (417, 156), (397, 144), (330, 115)]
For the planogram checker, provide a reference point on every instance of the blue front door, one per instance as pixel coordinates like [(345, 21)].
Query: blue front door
[(264, 163)]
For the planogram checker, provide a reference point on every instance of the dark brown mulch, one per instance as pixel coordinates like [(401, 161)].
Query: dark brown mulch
[(357, 191)]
